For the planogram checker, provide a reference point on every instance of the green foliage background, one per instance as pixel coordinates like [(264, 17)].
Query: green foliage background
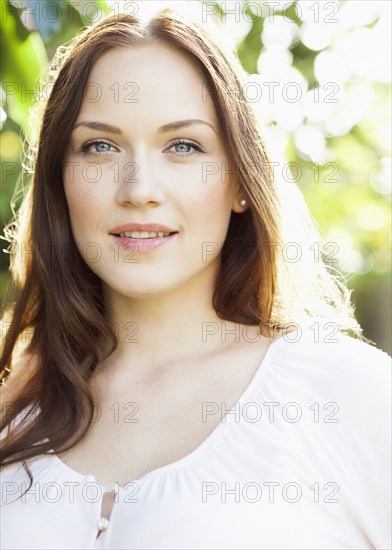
[(353, 208)]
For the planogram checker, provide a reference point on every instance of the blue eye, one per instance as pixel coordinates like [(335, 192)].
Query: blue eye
[(184, 148), (99, 146)]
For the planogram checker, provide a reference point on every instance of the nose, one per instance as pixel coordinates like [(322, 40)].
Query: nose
[(139, 185)]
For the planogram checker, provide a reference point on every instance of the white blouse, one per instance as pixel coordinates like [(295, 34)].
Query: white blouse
[(301, 461)]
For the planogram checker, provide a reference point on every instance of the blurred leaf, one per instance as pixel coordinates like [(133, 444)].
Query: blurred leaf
[(104, 6), (22, 62), (249, 49), (89, 15), (9, 146), (9, 8)]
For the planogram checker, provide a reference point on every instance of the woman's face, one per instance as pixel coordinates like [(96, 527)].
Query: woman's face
[(161, 162)]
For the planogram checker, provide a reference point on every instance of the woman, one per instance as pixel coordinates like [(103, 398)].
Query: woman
[(187, 388)]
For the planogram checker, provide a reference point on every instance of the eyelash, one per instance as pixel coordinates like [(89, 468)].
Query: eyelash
[(84, 148)]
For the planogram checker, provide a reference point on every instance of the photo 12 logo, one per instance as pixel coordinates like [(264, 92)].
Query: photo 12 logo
[(321, 12)]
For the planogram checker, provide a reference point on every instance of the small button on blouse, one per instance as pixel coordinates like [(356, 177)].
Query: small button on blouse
[(103, 524)]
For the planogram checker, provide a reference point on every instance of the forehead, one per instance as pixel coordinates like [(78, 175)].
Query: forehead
[(157, 79)]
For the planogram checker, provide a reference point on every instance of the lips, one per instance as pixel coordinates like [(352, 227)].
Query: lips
[(140, 242)]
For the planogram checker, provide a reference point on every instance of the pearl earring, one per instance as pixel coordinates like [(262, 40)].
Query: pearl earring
[(243, 202)]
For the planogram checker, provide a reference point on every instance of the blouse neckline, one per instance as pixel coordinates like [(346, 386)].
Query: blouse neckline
[(179, 463)]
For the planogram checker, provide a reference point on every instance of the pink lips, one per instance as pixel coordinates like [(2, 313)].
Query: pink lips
[(142, 245)]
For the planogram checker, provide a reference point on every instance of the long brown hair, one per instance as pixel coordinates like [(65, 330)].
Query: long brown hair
[(55, 311)]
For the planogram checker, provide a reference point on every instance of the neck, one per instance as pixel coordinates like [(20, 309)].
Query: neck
[(171, 326)]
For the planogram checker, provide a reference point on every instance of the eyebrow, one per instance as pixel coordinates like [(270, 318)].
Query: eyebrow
[(95, 125), (182, 123)]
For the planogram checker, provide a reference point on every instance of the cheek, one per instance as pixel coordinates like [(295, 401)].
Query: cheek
[(211, 182), (209, 208), (214, 192), (85, 208)]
